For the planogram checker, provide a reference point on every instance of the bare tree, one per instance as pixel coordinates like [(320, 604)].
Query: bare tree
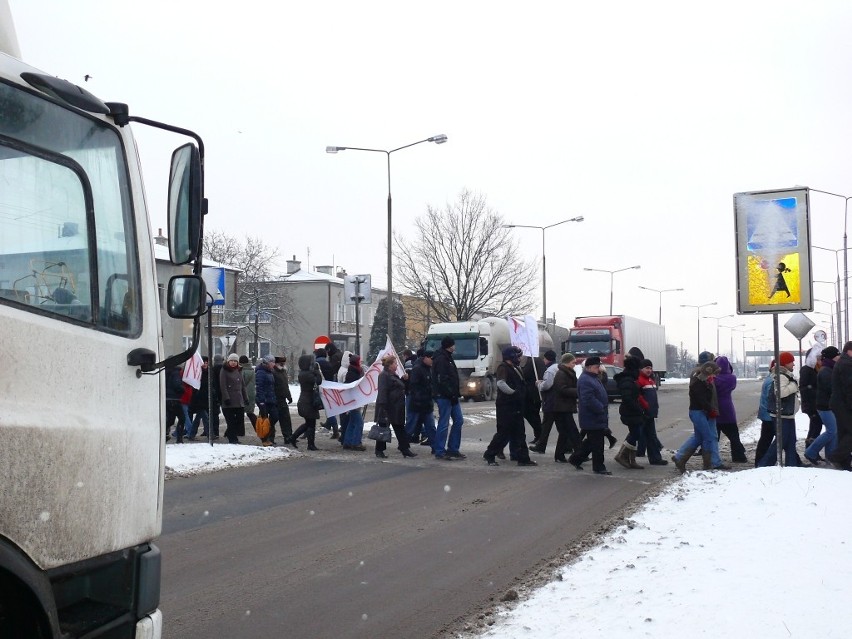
[(464, 262), (263, 308)]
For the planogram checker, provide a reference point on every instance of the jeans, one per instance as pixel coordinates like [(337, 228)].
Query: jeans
[(788, 434), (442, 444), (649, 441), (187, 421), (704, 435), (426, 419), (828, 439), (354, 428), (200, 416)]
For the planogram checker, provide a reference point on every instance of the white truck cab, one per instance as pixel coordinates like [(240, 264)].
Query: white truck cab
[(81, 424)]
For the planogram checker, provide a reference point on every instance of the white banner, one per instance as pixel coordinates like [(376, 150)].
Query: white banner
[(523, 332), (192, 371), (338, 398)]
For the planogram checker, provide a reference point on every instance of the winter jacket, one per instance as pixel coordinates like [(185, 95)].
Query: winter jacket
[(546, 388), (344, 367), (648, 392), (174, 384), (702, 392), (335, 359), (823, 392), (326, 369), (445, 375), (390, 400), (214, 387), (186, 396), (200, 396), (763, 410), (249, 381), (533, 370), (232, 388), (789, 386), (420, 388), (808, 389), (353, 371), (265, 386), (592, 402), (511, 388), (282, 385), (725, 382), (630, 408), (841, 385), (309, 376), (564, 392)]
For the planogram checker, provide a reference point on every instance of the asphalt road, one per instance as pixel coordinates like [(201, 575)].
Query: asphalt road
[(336, 544)]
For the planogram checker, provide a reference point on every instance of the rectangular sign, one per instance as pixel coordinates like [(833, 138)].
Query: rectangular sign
[(214, 280), (773, 251)]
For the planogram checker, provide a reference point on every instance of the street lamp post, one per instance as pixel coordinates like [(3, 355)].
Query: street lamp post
[(717, 318), (837, 291), (845, 257), (752, 337), (437, 139), (611, 278), (698, 308), (656, 290), (834, 336), (579, 218), (732, 329)]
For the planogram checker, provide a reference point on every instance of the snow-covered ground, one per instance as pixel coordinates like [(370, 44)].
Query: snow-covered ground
[(755, 553)]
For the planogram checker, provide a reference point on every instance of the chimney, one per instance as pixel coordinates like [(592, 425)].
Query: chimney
[(325, 270), (161, 239), (293, 265)]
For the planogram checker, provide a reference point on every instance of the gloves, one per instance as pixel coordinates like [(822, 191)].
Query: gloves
[(226, 401), (263, 411), (454, 400)]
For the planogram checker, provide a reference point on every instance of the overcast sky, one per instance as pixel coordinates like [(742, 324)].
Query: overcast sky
[(644, 118)]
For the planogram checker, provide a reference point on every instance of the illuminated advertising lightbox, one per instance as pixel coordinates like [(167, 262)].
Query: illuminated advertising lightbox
[(773, 250)]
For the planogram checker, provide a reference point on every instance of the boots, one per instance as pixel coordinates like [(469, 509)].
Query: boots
[(708, 464), (681, 463), (335, 431), (623, 455), (631, 457)]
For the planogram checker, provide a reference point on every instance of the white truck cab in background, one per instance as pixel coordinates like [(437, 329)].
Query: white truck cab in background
[(81, 424)]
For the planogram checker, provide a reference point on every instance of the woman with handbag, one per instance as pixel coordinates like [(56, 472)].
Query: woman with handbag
[(310, 378), (390, 407)]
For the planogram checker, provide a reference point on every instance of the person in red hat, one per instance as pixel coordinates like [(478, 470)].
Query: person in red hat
[(788, 390), (767, 425)]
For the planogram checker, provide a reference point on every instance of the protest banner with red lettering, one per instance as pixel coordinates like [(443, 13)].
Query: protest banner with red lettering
[(192, 371), (523, 332)]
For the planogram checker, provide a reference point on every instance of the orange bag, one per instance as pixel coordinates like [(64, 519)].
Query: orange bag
[(262, 427)]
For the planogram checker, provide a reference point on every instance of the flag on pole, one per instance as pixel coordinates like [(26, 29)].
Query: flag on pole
[(192, 371), (523, 332)]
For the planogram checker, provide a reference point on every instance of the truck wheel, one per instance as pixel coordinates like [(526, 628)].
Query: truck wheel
[(20, 614), (488, 389)]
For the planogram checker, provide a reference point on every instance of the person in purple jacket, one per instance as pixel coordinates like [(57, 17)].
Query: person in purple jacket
[(726, 423)]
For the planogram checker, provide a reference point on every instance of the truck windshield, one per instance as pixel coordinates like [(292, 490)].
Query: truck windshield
[(467, 346), (67, 234), (588, 345)]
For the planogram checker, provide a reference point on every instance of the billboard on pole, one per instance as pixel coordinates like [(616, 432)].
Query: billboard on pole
[(773, 250)]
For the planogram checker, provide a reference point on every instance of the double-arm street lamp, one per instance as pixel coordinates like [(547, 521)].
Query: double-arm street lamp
[(698, 308), (732, 329), (717, 318), (437, 139), (579, 218), (656, 290), (611, 277)]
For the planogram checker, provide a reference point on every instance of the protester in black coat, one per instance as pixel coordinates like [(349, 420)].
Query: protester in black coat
[(841, 405), (390, 407), (511, 388), (309, 377), (630, 411)]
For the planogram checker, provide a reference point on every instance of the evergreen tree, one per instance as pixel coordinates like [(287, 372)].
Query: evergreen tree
[(378, 334)]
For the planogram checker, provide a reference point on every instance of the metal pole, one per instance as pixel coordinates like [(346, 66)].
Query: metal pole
[(660, 319), (210, 370), (778, 431), (390, 265), (544, 282), (717, 338), (611, 278), (698, 332), (846, 272)]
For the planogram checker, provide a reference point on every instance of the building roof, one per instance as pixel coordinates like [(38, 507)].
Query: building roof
[(161, 254)]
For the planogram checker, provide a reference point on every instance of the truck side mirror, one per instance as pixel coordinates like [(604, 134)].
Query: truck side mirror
[(483, 346), (187, 297), (616, 346), (185, 194)]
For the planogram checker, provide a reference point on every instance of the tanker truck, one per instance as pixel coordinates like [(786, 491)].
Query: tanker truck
[(479, 351)]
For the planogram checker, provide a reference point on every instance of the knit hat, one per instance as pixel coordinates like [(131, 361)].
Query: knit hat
[(592, 361), (706, 356), (510, 352), (830, 352), (242, 359), (550, 355), (233, 357), (646, 363), (567, 358), (280, 359), (786, 358), (269, 359), (447, 342)]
